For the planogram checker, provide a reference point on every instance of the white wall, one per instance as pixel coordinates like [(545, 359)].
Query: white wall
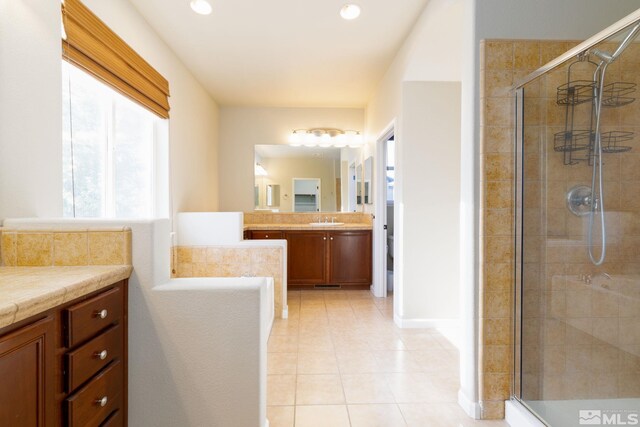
[(241, 128), (431, 199), (31, 110), (193, 127)]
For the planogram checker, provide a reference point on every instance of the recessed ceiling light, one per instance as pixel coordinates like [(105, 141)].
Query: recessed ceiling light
[(201, 7), (350, 11)]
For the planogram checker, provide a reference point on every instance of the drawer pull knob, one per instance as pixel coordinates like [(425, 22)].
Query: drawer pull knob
[(102, 314), (324, 238), (101, 354), (102, 402), (332, 238)]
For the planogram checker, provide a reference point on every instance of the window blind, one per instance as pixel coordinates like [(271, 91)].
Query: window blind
[(91, 45)]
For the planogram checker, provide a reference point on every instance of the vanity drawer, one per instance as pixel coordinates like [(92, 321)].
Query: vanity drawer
[(92, 404), (266, 235), (115, 420), (87, 360), (89, 317)]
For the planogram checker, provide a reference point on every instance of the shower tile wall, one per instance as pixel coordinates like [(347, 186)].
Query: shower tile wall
[(499, 67), (563, 356)]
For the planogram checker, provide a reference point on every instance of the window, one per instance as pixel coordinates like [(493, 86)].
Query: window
[(110, 147)]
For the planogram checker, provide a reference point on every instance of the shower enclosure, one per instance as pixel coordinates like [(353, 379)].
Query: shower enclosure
[(577, 314)]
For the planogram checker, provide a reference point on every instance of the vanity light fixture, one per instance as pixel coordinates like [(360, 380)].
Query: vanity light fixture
[(350, 11), (325, 137), (201, 7)]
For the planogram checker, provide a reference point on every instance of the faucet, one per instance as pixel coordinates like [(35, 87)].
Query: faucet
[(333, 219)]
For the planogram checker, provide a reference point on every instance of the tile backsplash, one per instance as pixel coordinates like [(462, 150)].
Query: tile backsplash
[(65, 247), (306, 217)]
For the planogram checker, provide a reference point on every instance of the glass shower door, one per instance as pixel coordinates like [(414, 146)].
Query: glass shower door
[(578, 239)]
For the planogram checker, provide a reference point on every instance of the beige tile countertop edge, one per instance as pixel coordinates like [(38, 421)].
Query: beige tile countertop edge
[(36, 229), (346, 226), (27, 291)]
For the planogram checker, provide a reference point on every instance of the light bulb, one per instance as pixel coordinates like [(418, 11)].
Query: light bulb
[(350, 11), (201, 7)]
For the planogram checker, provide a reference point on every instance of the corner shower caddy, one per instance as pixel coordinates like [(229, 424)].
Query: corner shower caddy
[(577, 145)]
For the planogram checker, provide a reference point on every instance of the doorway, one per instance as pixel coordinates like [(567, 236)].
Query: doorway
[(306, 194), (385, 237), (390, 180)]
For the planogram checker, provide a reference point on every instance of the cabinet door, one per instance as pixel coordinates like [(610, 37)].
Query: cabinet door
[(266, 235), (307, 261), (350, 257), (27, 394)]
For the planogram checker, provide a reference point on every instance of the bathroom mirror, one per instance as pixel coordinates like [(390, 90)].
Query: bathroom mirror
[(281, 164), (368, 181), (359, 177)]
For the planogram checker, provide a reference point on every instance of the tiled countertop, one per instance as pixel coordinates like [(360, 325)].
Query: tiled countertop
[(27, 291), (346, 226)]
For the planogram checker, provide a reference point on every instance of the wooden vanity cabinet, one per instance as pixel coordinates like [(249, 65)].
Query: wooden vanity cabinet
[(318, 257), (68, 365), (28, 374), (350, 256), (307, 257)]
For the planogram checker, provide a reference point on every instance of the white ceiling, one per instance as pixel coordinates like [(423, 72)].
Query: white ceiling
[(286, 53)]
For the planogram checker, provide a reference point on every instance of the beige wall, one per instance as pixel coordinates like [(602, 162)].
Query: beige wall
[(31, 109), (282, 171), (241, 128)]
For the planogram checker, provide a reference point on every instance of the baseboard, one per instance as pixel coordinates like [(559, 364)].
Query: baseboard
[(517, 415), (449, 328), (471, 408)]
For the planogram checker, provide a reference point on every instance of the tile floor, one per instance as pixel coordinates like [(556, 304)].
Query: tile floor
[(339, 360)]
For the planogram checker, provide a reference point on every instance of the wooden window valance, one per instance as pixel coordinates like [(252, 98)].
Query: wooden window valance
[(94, 47)]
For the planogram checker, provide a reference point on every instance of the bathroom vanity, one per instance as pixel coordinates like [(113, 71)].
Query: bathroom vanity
[(63, 349), (319, 256)]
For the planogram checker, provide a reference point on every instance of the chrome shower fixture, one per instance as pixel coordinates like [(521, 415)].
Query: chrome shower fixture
[(579, 200)]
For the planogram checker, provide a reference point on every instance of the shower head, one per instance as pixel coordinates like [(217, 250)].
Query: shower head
[(604, 56), (610, 57)]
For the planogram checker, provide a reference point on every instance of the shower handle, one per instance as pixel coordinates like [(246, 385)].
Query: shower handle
[(580, 199)]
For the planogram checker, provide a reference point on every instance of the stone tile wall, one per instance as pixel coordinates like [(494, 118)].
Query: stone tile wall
[(65, 247), (225, 261)]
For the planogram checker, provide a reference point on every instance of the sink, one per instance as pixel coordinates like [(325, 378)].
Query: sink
[(325, 224)]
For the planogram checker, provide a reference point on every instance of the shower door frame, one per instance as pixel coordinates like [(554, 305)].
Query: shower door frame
[(518, 235)]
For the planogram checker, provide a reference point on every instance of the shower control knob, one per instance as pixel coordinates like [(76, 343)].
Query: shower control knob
[(580, 200)]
